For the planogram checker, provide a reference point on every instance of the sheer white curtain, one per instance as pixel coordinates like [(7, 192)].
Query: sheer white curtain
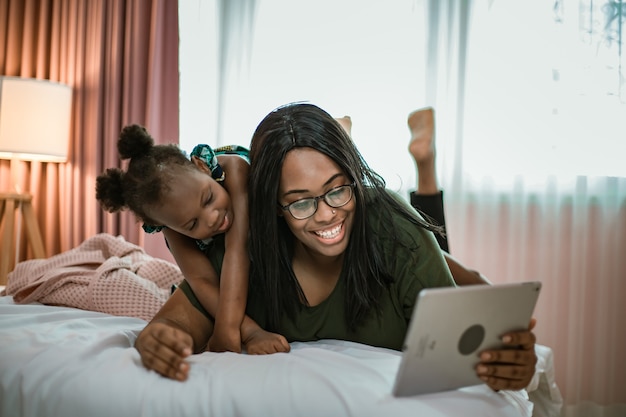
[(541, 192), (215, 50), (355, 57), (530, 156)]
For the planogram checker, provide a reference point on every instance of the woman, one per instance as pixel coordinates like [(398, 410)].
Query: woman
[(345, 247), (334, 255)]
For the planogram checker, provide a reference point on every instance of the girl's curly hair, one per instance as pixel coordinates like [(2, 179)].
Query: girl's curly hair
[(146, 179)]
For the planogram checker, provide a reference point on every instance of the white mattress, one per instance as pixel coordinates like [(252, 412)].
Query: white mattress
[(58, 361)]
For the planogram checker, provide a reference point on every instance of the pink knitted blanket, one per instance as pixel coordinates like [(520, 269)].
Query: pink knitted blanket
[(104, 273)]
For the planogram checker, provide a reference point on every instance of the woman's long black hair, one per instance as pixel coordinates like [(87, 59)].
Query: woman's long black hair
[(300, 125)]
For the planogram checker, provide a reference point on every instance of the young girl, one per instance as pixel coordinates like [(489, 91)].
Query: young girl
[(194, 203)]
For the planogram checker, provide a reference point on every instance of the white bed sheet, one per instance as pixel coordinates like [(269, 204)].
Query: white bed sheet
[(58, 361)]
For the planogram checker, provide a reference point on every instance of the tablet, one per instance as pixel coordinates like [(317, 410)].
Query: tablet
[(449, 328)]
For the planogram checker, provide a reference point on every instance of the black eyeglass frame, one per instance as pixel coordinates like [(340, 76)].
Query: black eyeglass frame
[(316, 199)]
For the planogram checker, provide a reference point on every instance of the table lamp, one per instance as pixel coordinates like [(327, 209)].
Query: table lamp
[(35, 118)]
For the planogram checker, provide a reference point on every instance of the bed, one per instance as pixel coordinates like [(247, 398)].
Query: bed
[(68, 361)]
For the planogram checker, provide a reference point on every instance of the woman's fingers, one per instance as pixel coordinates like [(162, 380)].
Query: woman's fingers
[(525, 339), (498, 383), (512, 367), (505, 371), (156, 362), (501, 376), (163, 348), (509, 356)]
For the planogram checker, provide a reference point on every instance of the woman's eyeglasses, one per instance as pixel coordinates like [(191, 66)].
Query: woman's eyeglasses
[(306, 207)]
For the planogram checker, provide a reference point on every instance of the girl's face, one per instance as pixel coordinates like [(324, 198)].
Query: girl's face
[(196, 206), (308, 173)]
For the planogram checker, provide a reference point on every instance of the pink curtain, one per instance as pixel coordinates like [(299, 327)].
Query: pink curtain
[(572, 238), (121, 59)]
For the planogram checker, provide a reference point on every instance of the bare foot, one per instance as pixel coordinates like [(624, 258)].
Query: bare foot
[(346, 123), (422, 148), (422, 126)]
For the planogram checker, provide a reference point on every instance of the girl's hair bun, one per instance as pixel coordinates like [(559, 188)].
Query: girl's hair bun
[(109, 190), (134, 141)]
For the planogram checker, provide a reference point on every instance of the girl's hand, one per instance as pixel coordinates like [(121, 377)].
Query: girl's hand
[(261, 342), (225, 339), (163, 348), (512, 367)]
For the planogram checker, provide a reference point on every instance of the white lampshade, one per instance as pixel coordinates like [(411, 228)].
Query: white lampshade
[(35, 118)]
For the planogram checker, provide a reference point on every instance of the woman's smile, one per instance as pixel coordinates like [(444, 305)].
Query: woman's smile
[(334, 233)]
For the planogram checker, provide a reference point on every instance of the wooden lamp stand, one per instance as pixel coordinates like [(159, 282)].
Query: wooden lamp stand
[(9, 202)]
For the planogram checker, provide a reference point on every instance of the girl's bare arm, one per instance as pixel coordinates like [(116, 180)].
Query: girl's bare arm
[(236, 264), (197, 269)]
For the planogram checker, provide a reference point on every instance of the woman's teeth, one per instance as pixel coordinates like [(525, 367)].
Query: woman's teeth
[(329, 234)]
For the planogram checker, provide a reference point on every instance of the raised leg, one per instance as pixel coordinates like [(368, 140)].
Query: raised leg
[(346, 123), (422, 148), (428, 197)]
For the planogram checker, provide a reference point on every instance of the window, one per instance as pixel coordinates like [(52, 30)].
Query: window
[(546, 91)]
